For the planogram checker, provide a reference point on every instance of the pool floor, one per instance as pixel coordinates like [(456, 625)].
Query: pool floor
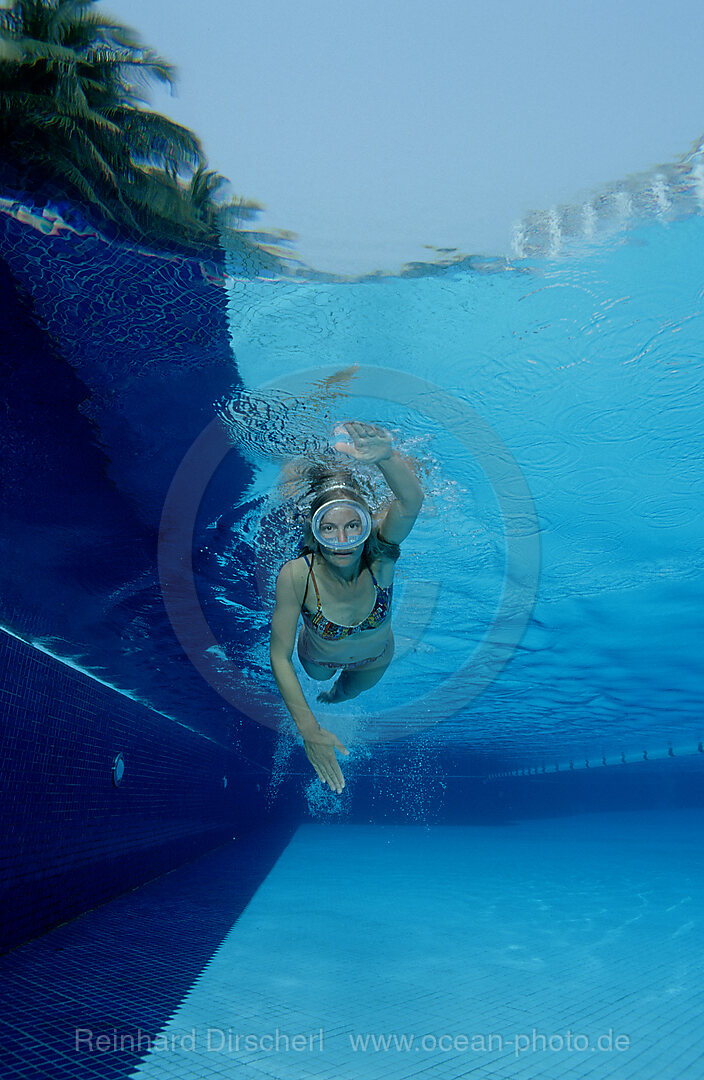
[(563, 948)]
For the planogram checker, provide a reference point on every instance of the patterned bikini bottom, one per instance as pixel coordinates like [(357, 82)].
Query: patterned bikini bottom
[(304, 654)]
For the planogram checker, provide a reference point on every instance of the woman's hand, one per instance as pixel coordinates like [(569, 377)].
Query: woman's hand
[(320, 750), (370, 444)]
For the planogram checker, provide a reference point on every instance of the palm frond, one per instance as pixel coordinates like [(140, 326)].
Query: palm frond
[(94, 159), (10, 52), (25, 107), (151, 134), (67, 169), (239, 210), (71, 111), (27, 50), (204, 185), (66, 16)]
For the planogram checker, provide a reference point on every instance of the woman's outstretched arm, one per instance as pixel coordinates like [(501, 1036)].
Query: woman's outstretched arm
[(319, 744), (373, 446)]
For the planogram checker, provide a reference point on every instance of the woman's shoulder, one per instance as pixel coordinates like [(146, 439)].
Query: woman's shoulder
[(294, 573)]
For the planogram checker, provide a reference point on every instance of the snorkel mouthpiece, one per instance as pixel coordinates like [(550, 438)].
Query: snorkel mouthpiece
[(329, 537)]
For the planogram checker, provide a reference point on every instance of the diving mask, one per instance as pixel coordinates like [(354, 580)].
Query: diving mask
[(341, 525)]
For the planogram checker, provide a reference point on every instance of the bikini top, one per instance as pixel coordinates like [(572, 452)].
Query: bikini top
[(334, 631)]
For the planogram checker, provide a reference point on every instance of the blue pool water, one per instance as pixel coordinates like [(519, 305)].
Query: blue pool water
[(548, 616), (588, 376), (555, 408)]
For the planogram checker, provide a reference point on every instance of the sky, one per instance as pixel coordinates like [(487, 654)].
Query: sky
[(375, 128)]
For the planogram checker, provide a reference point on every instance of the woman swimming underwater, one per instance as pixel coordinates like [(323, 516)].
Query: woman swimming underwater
[(341, 587)]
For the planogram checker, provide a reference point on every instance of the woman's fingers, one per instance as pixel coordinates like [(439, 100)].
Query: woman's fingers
[(323, 760), (346, 448), (321, 754), (361, 431), (333, 775), (369, 443), (331, 772)]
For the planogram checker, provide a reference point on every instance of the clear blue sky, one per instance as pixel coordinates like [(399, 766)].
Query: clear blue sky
[(372, 127)]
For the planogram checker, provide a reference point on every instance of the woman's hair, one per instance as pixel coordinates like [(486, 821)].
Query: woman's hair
[(340, 485)]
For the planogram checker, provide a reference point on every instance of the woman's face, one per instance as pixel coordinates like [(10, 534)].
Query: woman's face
[(342, 525), (341, 528)]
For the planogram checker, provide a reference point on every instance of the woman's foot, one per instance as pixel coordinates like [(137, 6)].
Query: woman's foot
[(331, 696)]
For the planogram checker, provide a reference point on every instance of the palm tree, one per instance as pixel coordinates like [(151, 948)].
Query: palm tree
[(70, 115)]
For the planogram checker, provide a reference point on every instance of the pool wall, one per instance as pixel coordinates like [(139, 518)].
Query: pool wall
[(84, 472), (72, 837), (111, 359)]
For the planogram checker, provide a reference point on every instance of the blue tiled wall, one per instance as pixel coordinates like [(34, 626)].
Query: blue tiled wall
[(111, 359), (71, 839)]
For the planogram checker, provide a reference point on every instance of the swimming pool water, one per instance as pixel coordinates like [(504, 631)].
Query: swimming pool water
[(588, 370), (572, 516)]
